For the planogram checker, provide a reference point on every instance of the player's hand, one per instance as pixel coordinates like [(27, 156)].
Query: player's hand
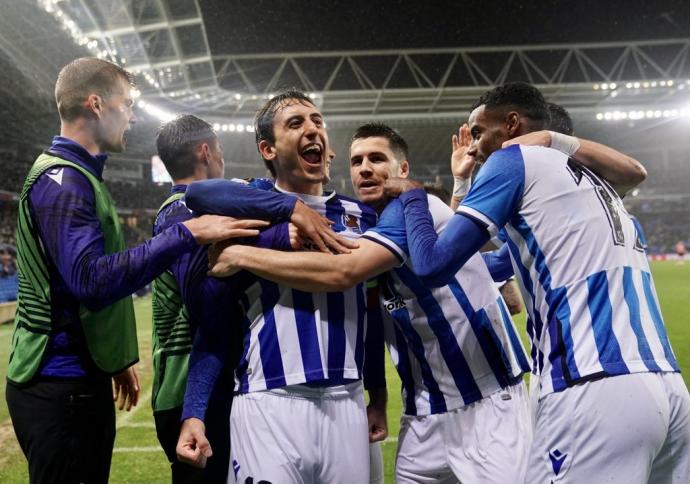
[(394, 187), (224, 259), (126, 388), (461, 162), (376, 415), (535, 138), (193, 447), (297, 242), (213, 228), (317, 228)]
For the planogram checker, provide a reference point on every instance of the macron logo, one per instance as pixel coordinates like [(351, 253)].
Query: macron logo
[(56, 175), (557, 459)]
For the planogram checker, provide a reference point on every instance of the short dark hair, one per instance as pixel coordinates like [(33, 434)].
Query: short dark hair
[(521, 97), (176, 141), (380, 130), (82, 77), (560, 120), (263, 120), (438, 190)]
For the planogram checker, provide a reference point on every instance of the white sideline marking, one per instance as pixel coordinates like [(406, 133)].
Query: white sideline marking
[(151, 448), (134, 425)]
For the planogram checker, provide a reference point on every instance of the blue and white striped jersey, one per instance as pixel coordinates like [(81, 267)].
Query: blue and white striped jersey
[(294, 337), (592, 307), (452, 345)]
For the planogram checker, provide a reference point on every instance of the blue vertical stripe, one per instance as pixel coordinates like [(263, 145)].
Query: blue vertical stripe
[(405, 371), (243, 364), (487, 338), (535, 326), (514, 338), (269, 348), (658, 321), (336, 334), (601, 313), (633, 302), (309, 346), (361, 326), (450, 350), (562, 354)]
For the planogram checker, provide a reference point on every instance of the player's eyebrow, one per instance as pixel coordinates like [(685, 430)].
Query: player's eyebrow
[(294, 117)]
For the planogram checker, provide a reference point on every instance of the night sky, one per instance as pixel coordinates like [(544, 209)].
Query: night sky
[(254, 26)]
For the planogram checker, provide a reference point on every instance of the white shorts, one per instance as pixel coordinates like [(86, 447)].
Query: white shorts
[(300, 435), (375, 463), (625, 429), (484, 442)]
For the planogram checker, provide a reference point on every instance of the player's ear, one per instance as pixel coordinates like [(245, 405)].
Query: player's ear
[(267, 149), (513, 123), (203, 153), (404, 169), (94, 104)]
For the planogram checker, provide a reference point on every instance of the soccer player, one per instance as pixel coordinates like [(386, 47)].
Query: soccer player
[(75, 327), (612, 404), (456, 350), (184, 298), (299, 413)]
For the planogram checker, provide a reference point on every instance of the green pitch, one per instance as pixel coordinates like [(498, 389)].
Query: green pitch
[(138, 458)]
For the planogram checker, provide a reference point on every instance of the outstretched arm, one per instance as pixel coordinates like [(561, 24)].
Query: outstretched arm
[(306, 271), (436, 258), (240, 200), (494, 197), (65, 219), (620, 170)]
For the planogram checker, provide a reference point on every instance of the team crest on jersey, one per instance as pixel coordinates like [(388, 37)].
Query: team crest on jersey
[(352, 222), (394, 304)]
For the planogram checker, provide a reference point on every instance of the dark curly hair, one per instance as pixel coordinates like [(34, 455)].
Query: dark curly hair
[(521, 97)]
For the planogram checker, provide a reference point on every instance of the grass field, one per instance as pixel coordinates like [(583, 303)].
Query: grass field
[(138, 459)]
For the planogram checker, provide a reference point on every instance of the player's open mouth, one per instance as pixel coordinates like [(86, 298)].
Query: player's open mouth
[(311, 154), (368, 185)]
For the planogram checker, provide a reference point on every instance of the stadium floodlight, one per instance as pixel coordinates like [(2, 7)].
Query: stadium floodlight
[(156, 112), (640, 114)]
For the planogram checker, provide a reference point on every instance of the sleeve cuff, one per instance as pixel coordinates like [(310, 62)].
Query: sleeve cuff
[(185, 235), (388, 244), (480, 218)]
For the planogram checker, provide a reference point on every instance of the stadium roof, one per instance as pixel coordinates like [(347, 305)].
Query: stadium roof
[(413, 64)]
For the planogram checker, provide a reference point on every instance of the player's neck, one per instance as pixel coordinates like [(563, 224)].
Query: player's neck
[(80, 133), (301, 187)]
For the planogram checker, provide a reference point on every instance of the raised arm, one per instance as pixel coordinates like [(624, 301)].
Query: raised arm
[(620, 170), (306, 271), (461, 165)]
